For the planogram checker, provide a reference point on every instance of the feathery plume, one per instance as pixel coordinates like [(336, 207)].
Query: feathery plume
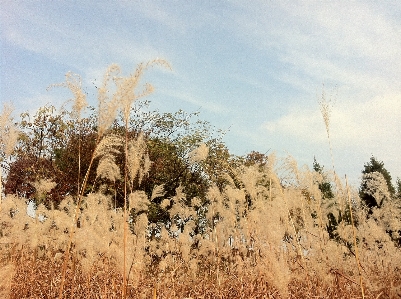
[(8, 131), (199, 154), (139, 201), (43, 186), (74, 83), (138, 158), (158, 191), (108, 168), (108, 108), (108, 145)]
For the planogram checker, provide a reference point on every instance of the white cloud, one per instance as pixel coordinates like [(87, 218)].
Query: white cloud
[(187, 97), (155, 11), (374, 124), (301, 123), (352, 43)]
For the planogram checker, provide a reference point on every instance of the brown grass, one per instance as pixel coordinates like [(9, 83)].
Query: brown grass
[(40, 278)]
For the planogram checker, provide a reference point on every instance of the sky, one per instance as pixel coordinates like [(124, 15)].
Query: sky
[(256, 69)]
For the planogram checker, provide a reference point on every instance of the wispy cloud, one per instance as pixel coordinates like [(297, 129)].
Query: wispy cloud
[(198, 103), (350, 43), (74, 41), (302, 124), (155, 11), (370, 124)]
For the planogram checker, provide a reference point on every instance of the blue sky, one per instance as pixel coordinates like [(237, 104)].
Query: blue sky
[(256, 67)]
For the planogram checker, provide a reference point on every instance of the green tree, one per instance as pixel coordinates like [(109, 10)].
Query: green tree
[(376, 184), (58, 147), (41, 135), (380, 198), (398, 184), (42, 132), (324, 185)]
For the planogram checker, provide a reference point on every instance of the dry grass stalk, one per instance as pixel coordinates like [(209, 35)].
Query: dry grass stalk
[(74, 83), (126, 95), (326, 106), (355, 243)]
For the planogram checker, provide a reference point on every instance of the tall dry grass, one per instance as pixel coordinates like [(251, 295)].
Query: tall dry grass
[(264, 235), (270, 247)]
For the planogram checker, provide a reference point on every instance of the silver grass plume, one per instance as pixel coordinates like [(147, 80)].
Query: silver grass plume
[(126, 93), (138, 158), (108, 168), (108, 108), (43, 186), (74, 83), (8, 131), (139, 201), (199, 154), (326, 105), (108, 145), (158, 191), (376, 186)]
